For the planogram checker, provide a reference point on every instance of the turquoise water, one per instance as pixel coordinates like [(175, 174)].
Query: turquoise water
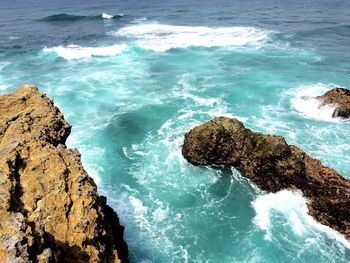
[(133, 85)]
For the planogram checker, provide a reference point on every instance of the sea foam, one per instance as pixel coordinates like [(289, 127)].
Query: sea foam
[(293, 206), (162, 37), (3, 87), (304, 102), (72, 52)]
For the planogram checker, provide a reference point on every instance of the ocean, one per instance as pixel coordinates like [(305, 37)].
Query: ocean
[(132, 77)]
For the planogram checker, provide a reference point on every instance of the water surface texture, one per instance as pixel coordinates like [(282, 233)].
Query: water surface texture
[(133, 77)]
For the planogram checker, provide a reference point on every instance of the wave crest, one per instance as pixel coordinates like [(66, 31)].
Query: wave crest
[(64, 17), (106, 16), (71, 18)]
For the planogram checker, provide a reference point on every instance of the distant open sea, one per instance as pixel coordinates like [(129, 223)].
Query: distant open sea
[(133, 77)]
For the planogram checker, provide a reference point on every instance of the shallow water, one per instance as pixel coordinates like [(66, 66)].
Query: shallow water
[(134, 84)]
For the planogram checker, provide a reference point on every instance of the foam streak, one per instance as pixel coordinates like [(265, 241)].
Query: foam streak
[(72, 52)]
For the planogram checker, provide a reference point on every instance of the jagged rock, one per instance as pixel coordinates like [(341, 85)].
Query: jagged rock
[(49, 207), (273, 165), (339, 98)]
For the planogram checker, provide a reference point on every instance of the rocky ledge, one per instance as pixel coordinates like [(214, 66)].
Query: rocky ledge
[(49, 207), (339, 98), (273, 165)]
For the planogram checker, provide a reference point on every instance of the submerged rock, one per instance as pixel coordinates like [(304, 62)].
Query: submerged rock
[(273, 165), (338, 98), (49, 206)]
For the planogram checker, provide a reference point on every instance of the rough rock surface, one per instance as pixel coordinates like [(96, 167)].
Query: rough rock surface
[(338, 98), (273, 165), (49, 207)]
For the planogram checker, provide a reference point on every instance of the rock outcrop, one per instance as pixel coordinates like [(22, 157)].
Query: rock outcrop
[(339, 98), (273, 165), (49, 207)]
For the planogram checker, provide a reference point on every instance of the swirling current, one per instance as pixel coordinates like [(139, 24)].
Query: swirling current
[(133, 77)]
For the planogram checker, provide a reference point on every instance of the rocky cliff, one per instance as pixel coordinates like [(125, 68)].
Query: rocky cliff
[(273, 165), (49, 207), (339, 98)]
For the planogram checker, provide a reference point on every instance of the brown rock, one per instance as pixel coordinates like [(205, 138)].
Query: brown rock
[(338, 98), (273, 165), (49, 207)]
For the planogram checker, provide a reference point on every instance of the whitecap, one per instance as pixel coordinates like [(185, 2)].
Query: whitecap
[(106, 16), (293, 206), (162, 37), (3, 87), (72, 52), (304, 102)]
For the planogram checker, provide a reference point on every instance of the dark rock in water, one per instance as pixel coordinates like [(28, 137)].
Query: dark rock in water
[(49, 206), (338, 98), (273, 165)]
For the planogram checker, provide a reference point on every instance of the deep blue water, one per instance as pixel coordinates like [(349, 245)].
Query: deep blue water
[(134, 84)]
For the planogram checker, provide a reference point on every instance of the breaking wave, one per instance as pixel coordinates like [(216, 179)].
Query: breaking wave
[(162, 37), (304, 101), (106, 16), (293, 207)]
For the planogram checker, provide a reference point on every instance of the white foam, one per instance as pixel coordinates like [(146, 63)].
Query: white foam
[(106, 16), (304, 102), (139, 208), (200, 101), (3, 87), (162, 37), (149, 224), (160, 214), (72, 52), (293, 206), (92, 172)]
